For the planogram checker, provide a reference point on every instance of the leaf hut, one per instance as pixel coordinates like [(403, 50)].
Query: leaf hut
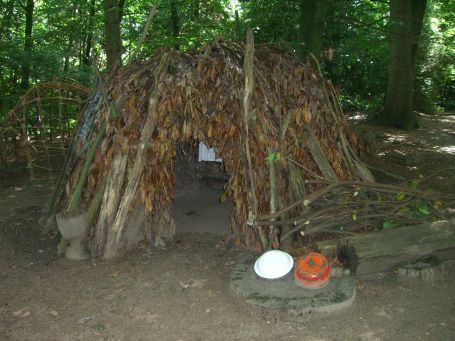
[(274, 121)]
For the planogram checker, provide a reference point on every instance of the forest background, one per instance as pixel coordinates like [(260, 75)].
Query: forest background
[(386, 58)]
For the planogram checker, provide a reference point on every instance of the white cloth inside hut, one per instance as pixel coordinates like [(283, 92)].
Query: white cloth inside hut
[(207, 154)]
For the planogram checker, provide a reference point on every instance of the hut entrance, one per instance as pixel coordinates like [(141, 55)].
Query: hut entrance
[(199, 183)]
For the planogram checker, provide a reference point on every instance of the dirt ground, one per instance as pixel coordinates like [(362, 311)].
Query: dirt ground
[(182, 292)]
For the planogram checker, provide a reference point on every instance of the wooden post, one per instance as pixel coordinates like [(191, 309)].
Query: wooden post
[(272, 178), (249, 86)]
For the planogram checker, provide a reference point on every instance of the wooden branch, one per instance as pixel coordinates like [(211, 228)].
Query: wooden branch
[(111, 200), (130, 194), (383, 187), (249, 87), (80, 184), (305, 201), (272, 180), (319, 156), (143, 34), (95, 204), (391, 175)]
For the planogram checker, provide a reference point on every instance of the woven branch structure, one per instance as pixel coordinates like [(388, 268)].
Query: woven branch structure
[(294, 131), (39, 123)]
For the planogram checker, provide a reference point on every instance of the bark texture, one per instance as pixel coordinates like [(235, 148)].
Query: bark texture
[(89, 39), (175, 22), (406, 23), (112, 40), (28, 43), (312, 22)]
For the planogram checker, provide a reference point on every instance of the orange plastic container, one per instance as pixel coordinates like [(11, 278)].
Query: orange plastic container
[(312, 271)]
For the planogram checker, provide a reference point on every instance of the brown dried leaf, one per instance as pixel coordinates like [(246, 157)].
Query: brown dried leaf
[(307, 114)]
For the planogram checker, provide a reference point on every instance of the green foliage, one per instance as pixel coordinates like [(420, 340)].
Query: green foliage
[(435, 77), (357, 34), (355, 31)]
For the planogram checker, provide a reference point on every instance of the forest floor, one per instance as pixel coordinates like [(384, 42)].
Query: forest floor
[(182, 292)]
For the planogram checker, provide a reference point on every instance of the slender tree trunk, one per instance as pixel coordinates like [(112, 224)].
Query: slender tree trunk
[(28, 43), (121, 9), (175, 24), (237, 25), (406, 19), (313, 14), (89, 39), (66, 64), (112, 38), (195, 8)]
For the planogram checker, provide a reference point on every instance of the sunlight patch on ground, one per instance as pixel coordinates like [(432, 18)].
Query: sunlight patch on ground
[(357, 117), (447, 120), (395, 138), (446, 149)]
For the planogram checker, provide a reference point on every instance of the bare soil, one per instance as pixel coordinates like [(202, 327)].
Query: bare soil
[(182, 292)]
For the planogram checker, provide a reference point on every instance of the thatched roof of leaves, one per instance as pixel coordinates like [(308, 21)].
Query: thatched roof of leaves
[(296, 130)]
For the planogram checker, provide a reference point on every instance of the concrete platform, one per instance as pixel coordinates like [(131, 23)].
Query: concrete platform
[(285, 294)]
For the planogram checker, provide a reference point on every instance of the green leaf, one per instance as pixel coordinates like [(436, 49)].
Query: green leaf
[(424, 210), (437, 204), (414, 185), (400, 196), (389, 225), (272, 157)]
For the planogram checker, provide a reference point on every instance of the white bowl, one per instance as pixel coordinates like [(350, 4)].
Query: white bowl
[(273, 264)]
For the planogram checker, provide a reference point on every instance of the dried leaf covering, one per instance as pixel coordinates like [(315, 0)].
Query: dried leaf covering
[(291, 108)]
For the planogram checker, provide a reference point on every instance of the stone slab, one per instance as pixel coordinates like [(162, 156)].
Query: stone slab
[(285, 294)]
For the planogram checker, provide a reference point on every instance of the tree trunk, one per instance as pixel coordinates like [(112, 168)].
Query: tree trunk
[(313, 14), (112, 38), (375, 252), (121, 9), (66, 64), (238, 29), (175, 24), (195, 8), (89, 39), (28, 43), (406, 19)]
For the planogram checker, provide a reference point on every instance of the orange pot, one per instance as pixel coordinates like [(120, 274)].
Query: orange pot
[(312, 271)]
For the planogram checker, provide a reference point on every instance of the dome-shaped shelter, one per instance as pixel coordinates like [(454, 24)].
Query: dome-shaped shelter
[(274, 121)]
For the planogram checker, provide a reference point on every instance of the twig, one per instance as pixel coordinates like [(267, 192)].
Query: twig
[(394, 176), (305, 201), (147, 25), (435, 173)]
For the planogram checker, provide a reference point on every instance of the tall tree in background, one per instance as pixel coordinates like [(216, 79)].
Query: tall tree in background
[(175, 22), (406, 18), (112, 16), (28, 43), (313, 14), (89, 39)]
